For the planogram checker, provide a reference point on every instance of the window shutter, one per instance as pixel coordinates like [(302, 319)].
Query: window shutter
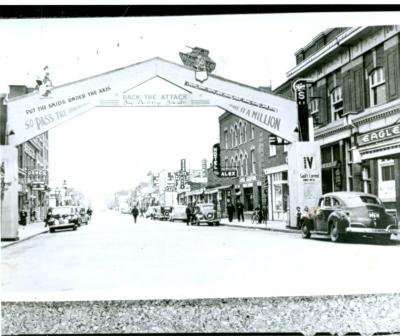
[(368, 61), (358, 88), (322, 104), (392, 74), (379, 56), (347, 93)]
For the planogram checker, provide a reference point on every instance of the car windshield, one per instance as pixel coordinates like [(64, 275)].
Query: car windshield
[(206, 207), (362, 199), (62, 211)]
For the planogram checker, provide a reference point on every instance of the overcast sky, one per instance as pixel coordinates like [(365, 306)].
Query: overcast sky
[(108, 149)]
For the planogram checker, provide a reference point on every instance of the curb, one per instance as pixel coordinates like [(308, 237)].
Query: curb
[(23, 239), (262, 228)]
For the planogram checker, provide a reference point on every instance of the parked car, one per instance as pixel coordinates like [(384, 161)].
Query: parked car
[(341, 214), (178, 213), (64, 218), (162, 212), (150, 212), (205, 213)]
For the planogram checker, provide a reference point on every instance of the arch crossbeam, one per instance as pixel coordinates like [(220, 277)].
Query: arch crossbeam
[(33, 114)]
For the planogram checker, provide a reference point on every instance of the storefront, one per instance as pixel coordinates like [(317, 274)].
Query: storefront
[(380, 155), (277, 192)]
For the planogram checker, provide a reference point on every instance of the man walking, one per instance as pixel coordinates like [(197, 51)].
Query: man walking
[(188, 214), (135, 213), (240, 209), (230, 209)]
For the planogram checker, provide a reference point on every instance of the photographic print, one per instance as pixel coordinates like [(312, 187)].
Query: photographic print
[(228, 162)]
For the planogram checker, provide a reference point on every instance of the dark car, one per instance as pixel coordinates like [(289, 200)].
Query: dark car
[(205, 213), (341, 214), (162, 212), (64, 218)]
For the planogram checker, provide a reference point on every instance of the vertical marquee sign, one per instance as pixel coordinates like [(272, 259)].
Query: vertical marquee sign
[(300, 90), (216, 162)]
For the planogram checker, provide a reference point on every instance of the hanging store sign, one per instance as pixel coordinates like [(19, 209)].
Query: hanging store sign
[(228, 173), (378, 135)]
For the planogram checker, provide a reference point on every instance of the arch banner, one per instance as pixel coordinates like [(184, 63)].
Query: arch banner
[(34, 114)]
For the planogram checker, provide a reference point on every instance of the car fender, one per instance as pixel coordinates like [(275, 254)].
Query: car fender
[(341, 219)]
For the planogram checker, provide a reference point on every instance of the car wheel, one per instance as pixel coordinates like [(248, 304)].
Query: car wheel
[(334, 232), (197, 222), (75, 227), (51, 230), (305, 231), (216, 223)]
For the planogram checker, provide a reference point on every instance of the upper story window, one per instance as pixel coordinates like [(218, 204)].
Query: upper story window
[(336, 103), (232, 139), (245, 132), (241, 162), (377, 87), (245, 165), (253, 161), (272, 150), (226, 138), (252, 132)]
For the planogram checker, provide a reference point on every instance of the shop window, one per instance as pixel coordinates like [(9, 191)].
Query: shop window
[(377, 87), (386, 180), (336, 103), (387, 173)]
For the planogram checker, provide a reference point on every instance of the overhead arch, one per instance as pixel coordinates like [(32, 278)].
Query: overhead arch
[(32, 114)]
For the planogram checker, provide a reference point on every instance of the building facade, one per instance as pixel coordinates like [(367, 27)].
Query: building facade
[(353, 77), (33, 161)]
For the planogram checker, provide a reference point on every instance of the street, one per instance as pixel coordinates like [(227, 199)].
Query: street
[(113, 258)]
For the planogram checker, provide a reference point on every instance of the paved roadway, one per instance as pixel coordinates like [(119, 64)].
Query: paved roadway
[(113, 258)]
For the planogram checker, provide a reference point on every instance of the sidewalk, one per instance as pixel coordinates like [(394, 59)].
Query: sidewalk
[(279, 226), (26, 232)]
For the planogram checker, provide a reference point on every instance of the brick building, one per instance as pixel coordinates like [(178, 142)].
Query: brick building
[(33, 160), (354, 101)]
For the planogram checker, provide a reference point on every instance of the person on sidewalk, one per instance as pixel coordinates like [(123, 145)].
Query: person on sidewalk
[(49, 218), (240, 210), (188, 214), (230, 209), (135, 213), (260, 215)]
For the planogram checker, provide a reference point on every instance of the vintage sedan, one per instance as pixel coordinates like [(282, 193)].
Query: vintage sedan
[(205, 213), (178, 213), (64, 218), (341, 214)]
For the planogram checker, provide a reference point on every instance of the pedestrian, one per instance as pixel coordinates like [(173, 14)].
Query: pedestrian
[(240, 209), (230, 209), (298, 217), (49, 218), (141, 212), (260, 215), (23, 215), (135, 213), (89, 212), (32, 215), (188, 214)]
